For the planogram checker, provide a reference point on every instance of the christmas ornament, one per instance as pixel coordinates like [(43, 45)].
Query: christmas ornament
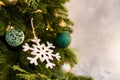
[(1, 3), (62, 23), (63, 39), (56, 13), (14, 37), (65, 67), (49, 28), (9, 2), (41, 52)]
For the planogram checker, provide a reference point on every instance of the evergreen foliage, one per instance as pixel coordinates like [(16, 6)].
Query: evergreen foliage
[(47, 15)]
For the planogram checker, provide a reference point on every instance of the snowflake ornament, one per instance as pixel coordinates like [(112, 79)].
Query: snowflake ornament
[(41, 52)]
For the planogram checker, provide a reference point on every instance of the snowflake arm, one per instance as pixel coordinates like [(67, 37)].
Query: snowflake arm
[(26, 47), (41, 52), (33, 60), (57, 56)]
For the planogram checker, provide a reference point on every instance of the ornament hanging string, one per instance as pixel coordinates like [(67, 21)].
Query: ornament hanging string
[(33, 29), (32, 25)]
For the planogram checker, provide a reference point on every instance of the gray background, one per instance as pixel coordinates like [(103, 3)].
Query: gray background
[(96, 37)]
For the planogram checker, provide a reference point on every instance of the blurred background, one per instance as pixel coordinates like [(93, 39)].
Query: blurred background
[(96, 37)]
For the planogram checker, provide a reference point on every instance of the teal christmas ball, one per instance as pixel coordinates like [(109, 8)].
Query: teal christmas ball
[(63, 40), (14, 37)]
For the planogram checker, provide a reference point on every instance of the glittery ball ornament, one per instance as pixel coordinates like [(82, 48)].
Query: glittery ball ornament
[(65, 67), (14, 37)]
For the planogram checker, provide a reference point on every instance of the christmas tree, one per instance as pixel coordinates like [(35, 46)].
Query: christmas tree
[(34, 40)]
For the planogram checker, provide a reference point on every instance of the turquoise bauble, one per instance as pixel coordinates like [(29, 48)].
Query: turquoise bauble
[(14, 37), (63, 39)]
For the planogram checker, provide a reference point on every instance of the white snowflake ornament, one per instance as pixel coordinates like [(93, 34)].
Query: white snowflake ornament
[(41, 52)]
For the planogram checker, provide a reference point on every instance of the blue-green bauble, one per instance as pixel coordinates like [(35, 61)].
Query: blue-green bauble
[(14, 37), (63, 40)]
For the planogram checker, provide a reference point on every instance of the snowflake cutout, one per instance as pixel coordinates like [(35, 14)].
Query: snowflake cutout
[(41, 52)]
